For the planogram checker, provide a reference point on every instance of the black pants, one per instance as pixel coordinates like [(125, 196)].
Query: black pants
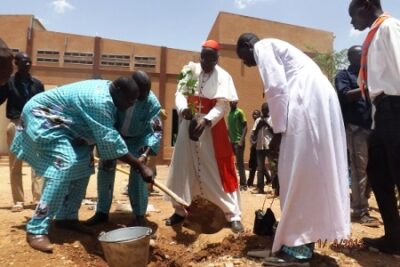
[(384, 161), (252, 165)]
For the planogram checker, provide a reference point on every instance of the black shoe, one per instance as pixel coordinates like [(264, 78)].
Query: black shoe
[(140, 220), (243, 188), (97, 218), (383, 244), (174, 219), (74, 225), (237, 227)]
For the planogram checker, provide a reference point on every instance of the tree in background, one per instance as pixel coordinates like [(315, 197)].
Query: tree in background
[(330, 63)]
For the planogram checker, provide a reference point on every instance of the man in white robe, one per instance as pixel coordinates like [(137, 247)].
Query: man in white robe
[(308, 125), (205, 167)]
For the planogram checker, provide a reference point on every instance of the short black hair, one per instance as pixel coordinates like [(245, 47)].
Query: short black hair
[(245, 38), (375, 3), (126, 85), (142, 79), (351, 49)]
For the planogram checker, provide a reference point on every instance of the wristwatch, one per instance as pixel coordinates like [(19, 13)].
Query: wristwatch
[(208, 122)]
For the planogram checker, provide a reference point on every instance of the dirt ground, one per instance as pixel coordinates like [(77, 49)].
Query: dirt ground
[(173, 246)]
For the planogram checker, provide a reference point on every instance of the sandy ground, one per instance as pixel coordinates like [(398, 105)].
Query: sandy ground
[(173, 246)]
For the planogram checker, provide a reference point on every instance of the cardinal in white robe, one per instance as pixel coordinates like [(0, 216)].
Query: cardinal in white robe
[(205, 167)]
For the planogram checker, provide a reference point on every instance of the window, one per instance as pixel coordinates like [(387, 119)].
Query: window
[(123, 61), (78, 58), (47, 56), (145, 63)]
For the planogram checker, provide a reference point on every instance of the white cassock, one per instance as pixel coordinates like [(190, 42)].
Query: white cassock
[(312, 166), (193, 170)]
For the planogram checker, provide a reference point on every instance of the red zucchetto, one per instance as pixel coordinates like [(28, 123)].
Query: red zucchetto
[(211, 44)]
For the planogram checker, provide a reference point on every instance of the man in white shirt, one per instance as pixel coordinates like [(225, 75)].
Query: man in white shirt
[(312, 169), (262, 134), (381, 80)]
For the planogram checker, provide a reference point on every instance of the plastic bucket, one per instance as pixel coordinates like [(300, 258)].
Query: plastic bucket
[(126, 247)]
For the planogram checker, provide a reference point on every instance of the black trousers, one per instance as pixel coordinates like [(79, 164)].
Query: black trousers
[(383, 167), (252, 165)]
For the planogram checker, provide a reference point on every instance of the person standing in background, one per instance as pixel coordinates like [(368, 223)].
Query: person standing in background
[(356, 111), (237, 126), (262, 134), (20, 88), (253, 157)]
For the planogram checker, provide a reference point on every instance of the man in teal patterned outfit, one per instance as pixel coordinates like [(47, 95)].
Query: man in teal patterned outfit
[(57, 134), (141, 128)]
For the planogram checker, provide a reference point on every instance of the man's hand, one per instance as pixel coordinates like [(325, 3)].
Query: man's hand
[(187, 114), (240, 143), (142, 159), (146, 173), (201, 125), (261, 124)]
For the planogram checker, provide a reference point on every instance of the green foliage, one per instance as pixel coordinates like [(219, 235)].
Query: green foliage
[(330, 63)]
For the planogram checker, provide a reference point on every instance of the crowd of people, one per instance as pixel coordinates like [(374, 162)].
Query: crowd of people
[(309, 128)]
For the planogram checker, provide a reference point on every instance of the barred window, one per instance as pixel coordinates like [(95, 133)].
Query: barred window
[(146, 63), (115, 60), (47, 56), (81, 58)]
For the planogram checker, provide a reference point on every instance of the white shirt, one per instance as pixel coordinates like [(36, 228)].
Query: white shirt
[(384, 60), (264, 135)]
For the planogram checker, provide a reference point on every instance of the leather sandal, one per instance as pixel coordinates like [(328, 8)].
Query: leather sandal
[(39, 242)]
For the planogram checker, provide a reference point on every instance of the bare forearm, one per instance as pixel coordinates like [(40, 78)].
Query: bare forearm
[(131, 160), (244, 133)]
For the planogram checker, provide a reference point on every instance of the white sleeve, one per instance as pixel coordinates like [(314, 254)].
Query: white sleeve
[(275, 84), (391, 43), (218, 111), (180, 102)]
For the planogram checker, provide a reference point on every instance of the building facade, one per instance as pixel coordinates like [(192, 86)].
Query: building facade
[(61, 58)]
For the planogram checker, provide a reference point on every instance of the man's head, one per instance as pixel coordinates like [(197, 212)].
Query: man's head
[(6, 62), (124, 92), (245, 48), (354, 55), (23, 63), (265, 110), (256, 114), (233, 105), (143, 81), (209, 55), (363, 13)]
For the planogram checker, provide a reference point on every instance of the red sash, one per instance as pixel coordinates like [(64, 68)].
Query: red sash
[(363, 74), (222, 146)]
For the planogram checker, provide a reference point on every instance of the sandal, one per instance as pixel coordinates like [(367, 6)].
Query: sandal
[(369, 221), (18, 207)]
